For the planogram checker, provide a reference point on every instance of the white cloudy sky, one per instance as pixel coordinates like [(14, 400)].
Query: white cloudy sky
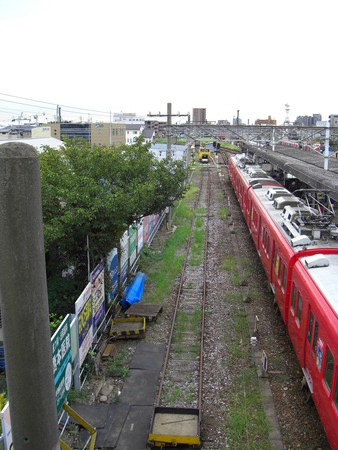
[(136, 56)]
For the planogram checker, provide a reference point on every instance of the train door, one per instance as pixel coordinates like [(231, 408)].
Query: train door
[(310, 357), (259, 237), (272, 266)]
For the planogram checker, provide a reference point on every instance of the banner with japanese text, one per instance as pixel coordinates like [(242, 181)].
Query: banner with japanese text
[(124, 260), (112, 263), (97, 282), (84, 312), (62, 364)]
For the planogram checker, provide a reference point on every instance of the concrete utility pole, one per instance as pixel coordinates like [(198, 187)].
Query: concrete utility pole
[(24, 302), (327, 145), (169, 116)]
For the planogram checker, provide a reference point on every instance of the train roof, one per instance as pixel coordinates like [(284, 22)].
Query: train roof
[(325, 276), (302, 226)]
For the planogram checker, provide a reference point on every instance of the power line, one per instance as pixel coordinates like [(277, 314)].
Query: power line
[(75, 108)]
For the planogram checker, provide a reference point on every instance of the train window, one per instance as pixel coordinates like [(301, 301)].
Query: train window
[(299, 308), (284, 277), (294, 296), (335, 397), (280, 271), (309, 333), (328, 373), (268, 247), (315, 337), (274, 253)]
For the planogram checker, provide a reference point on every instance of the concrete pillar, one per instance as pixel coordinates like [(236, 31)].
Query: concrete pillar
[(24, 301)]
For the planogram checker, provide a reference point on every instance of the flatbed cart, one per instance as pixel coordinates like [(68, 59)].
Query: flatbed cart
[(127, 328), (174, 426)]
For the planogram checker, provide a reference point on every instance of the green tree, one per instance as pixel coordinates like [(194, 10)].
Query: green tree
[(98, 192)]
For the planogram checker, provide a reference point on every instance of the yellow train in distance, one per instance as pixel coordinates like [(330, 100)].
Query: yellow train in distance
[(204, 154)]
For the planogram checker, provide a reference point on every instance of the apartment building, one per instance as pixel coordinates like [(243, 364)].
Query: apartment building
[(101, 133)]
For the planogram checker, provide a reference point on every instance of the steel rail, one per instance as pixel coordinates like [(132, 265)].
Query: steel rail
[(177, 298), (204, 295)]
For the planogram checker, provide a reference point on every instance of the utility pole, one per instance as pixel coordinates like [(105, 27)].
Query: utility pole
[(327, 145), (168, 116), (24, 302)]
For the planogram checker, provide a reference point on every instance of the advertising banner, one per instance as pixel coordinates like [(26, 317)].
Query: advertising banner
[(124, 256), (145, 230), (151, 224), (132, 244), (97, 282), (112, 263), (139, 236), (62, 365), (6, 427), (84, 312)]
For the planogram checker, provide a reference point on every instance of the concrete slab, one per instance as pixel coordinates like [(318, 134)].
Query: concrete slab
[(116, 418), (148, 356), (95, 415), (134, 435), (140, 387), (109, 421)]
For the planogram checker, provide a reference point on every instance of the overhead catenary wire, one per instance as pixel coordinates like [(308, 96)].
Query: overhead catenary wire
[(41, 104)]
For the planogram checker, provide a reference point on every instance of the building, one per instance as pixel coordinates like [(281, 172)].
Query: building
[(178, 152), (37, 137), (199, 115), (128, 118), (308, 121), (267, 121), (333, 120), (134, 131), (159, 128), (101, 133)]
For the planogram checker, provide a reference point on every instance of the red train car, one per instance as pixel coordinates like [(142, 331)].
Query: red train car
[(298, 248)]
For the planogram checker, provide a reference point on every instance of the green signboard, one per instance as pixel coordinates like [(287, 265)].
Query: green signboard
[(62, 362)]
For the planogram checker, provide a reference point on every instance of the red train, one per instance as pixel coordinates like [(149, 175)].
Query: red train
[(298, 248), (296, 144)]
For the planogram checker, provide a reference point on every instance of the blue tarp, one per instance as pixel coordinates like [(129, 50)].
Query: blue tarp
[(134, 291)]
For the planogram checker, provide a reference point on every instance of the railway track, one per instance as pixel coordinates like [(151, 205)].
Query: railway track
[(179, 401)]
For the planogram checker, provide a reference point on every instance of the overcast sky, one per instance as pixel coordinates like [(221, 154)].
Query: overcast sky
[(136, 56)]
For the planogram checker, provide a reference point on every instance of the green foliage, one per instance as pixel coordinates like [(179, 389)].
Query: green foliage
[(80, 396), (246, 416), (223, 213), (54, 322), (98, 192), (116, 366), (62, 294)]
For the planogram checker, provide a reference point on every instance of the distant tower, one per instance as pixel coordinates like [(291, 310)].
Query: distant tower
[(287, 111)]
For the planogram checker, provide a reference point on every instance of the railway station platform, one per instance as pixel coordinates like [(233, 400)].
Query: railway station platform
[(125, 425), (307, 166)]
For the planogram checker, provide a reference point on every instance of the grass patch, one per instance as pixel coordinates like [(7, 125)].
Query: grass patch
[(197, 247), (161, 273), (223, 213), (116, 366), (228, 263), (236, 279), (196, 320), (199, 222), (233, 297), (80, 396), (201, 211), (246, 425)]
